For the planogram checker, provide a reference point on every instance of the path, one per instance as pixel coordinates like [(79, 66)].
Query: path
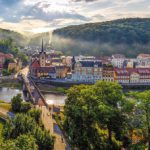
[(50, 125)]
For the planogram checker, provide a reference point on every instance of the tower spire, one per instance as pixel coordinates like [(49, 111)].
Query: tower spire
[(42, 50)]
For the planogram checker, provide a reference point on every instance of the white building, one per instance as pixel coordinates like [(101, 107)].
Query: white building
[(117, 60), (87, 71), (143, 61)]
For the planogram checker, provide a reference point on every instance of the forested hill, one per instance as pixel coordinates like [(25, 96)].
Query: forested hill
[(18, 38), (128, 36), (119, 31)]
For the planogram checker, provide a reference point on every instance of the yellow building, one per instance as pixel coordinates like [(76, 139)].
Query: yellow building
[(15, 66)]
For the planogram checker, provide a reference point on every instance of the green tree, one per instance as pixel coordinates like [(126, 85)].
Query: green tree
[(25, 107), (44, 140), (21, 124), (6, 72), (16, 103), (110, 101), (23, 142), (143, 112), (26, 142), (94, 116), (8, 145), (35, 113)]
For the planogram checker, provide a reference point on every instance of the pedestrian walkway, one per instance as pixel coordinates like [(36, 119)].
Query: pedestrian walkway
[(51, 125)]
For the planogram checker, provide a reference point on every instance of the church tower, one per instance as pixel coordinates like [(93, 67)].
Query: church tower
[(42, 56)]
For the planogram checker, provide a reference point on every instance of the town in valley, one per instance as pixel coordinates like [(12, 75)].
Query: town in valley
[(74, 74)]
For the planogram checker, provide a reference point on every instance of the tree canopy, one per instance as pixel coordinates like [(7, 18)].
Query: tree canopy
[(126, 36), (100, 116)]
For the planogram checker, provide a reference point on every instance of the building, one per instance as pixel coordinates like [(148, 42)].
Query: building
[(15, 65), (61, 70), (41, 72), (105, 60), (117, 60), (132, 75), (143, 61), (87, 71), (48, 65), (130, 63), (3, 57), (108, 73)]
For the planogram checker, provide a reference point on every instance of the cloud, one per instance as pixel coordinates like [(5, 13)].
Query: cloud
[(9, 2), (84, 0), (51, 14)]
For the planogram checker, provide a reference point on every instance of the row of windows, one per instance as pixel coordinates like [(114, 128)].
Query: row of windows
[(133, 81)]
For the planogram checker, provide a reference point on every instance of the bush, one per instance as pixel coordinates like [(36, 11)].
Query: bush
[(25, 107), (16, 103)]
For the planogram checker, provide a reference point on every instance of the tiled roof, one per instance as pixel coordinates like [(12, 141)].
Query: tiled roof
[(35, 64), (143, 56), (129, 71), (6, 55), (89, 63)]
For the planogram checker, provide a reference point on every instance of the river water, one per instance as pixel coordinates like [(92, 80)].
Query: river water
[(7, 94), (56, 99)]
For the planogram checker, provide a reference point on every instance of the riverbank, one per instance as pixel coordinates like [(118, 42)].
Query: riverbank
[(11, 84), (52, 89)]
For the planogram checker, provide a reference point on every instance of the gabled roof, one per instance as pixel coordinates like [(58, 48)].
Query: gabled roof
[(35, 63)]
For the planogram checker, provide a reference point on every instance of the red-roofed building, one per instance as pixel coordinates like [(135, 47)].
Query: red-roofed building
[(48, 66), (3, 57), (130, 75), (9, 56), (34, 66), (37, 71)]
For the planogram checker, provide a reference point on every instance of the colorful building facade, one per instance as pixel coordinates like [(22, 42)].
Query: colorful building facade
[(87, 71)]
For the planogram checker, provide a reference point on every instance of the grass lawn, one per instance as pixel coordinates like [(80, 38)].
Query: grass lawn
[(61, 90), (11, 84), (4, 105), (1, 129)]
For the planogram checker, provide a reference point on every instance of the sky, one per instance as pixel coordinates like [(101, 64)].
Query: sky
[(45, 15)]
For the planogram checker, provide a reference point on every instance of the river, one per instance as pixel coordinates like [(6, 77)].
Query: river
[(7, 94), (56, 99)]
